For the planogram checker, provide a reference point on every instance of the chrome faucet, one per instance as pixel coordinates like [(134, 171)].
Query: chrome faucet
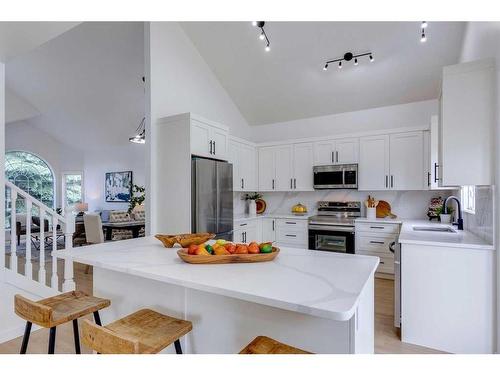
[(460, 221)]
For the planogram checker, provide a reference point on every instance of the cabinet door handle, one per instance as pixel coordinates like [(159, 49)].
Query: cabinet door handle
[(376, 227), (273, 183), (214, 147), (291, 183), (428, 178), (386, 181), (378, 242), (290, 222), (333, 158), (436, 166), (392, 181), (243, 225), (290, 235), (337, 156), (242, 184), (273, 225), (210, 148), (382, 262), (295, 183)]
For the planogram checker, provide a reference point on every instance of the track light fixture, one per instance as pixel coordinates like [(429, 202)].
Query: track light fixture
[(262, 35), (423, 37), (348, 56)]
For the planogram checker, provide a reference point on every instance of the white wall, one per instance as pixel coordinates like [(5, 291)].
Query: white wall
[(23, 136), (179, 80), (396, 116), (482, 40), (129, 157)]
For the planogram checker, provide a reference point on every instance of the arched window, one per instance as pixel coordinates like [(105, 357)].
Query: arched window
[(32, 174)]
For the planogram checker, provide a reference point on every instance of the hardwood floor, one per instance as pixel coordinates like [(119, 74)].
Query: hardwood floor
[(386, 335)]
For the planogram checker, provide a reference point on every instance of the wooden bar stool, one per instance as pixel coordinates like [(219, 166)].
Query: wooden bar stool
[(143, 332), (266, 345), (53, 311)]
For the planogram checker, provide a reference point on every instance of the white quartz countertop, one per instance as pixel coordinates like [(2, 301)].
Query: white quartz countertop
[(460, 238), (316, 283), (273, 216)]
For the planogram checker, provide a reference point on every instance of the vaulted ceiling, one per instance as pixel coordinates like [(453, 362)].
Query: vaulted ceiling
[(288, 82)]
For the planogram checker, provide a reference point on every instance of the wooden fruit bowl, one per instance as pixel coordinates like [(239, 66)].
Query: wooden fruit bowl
[(185, 240), (232, 258)]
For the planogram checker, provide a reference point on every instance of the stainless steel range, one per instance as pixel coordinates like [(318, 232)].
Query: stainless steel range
[(333, 228)]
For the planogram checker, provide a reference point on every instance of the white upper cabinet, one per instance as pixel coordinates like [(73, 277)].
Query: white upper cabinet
[(466, 124), (303, 166), (243, 158), (392, 162), (209, 140), (339, 151), (347, 151), (267, 169), (407, 161), (373, 172), (284, 166)]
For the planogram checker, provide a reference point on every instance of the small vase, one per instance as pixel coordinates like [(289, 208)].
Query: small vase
[(371, 213), (445, 218), (252, 208)]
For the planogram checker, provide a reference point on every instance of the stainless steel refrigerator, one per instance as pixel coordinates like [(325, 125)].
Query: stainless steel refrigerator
[(212, 197)]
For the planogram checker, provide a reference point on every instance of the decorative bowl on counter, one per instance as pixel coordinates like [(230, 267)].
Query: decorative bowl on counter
[(185, 240), (299, 209), (230, 258)]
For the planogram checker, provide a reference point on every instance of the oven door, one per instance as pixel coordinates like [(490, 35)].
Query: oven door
[(338, 239), (328, 177)]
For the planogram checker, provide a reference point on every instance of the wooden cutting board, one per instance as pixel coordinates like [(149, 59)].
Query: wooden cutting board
[(384, 210)]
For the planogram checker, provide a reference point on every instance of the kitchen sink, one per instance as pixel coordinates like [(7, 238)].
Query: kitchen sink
[(434, 229)]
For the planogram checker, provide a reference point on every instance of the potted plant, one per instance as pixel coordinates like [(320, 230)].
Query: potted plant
[(445, 218), (252, 206), (137, 197)]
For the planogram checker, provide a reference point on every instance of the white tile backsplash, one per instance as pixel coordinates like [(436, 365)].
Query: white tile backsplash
[(482, 223), (405, 204)]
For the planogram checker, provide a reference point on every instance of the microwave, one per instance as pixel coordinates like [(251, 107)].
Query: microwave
[(343, 176)]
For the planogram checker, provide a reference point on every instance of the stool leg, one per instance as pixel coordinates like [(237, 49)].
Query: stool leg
[(52, 340), (77, 336), (97, 318), (26, 338), (177, 345)]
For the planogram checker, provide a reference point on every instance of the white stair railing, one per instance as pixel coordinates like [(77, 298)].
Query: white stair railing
[(59, 226)]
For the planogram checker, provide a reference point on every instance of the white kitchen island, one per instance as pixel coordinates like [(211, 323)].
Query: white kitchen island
[(320, 302)]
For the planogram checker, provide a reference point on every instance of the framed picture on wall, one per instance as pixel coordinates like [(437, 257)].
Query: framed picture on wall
[(118, 186)]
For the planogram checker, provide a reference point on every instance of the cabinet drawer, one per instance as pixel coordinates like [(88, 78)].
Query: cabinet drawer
[(377, 228), (379, 245), (243, 224), (386, 264), (292, 224), (295, 237)]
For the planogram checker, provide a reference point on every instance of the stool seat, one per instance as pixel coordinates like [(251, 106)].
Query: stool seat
[(53, 311), (143, 332), (266, 345)]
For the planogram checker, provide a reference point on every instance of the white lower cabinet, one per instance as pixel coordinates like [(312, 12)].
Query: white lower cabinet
[(245, 231), (291, 233), (268, 230), (373, 238)]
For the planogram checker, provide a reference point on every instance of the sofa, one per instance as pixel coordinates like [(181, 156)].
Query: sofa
[(120, 216)]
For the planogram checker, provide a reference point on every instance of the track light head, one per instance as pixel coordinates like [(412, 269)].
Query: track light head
[(355, 61), (371, 58), (325, 67), (268, 48), (261, 36), (423, 38), (260, 24), (424, 24), (340, 64), (254, 23)]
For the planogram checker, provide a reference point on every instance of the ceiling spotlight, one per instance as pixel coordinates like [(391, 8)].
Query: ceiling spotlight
[(261, 36), (268, 48), (424, 24), (254, 23), (348, 56), (371, 58), (423, 38)]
